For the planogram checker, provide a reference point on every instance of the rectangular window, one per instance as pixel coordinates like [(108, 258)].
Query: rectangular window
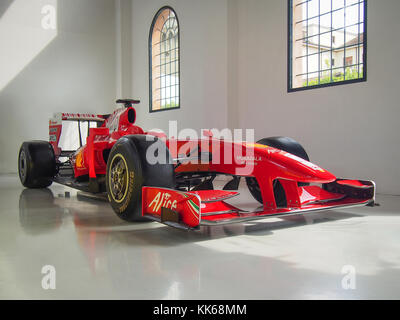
[(322, 32)]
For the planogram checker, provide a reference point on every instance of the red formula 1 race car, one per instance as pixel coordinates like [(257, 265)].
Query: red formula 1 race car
[(147, 176)]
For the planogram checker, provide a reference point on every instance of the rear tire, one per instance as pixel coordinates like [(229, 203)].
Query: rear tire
[(128, 170), (36, 164), (286, 144)]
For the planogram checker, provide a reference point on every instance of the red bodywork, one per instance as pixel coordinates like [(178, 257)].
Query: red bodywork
[(89, 160), (267, 165)]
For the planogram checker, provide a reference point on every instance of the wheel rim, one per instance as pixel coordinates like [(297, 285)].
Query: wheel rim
[(118, 178), (22, 165)]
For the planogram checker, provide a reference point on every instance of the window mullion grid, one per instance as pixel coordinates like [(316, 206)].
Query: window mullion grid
[(161, 76), (178, 83), (170, 50), (307, 42), (347, 64), (332, 11), (344, 36), (292, 41), (331, 41), (166, 63), (170, 64), (174, 72), (330, 50), (358, 47), (323, 70), (337, 29), (319, 42), (176, 69)]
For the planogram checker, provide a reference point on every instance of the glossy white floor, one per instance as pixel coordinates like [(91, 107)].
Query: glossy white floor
[(98, 256)]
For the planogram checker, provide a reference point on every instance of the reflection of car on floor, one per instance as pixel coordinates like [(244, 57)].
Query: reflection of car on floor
[(177, 189), (124, 257), (110, 252), (38, 213)]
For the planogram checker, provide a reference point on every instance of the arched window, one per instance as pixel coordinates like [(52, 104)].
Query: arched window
[(164, 57)]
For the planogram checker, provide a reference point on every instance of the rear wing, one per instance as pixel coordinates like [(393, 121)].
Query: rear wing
[(55, 126), (82, 117)]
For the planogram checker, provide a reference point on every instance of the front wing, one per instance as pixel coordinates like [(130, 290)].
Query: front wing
[(190, 210)]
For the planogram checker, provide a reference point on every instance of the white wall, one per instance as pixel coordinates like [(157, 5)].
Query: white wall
[(352, 130), (203, 44), (233, 73), (124, 47), (70, 69)]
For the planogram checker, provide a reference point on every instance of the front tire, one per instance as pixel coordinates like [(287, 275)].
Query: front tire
[(124, 180), (128, 171), (286, 144)]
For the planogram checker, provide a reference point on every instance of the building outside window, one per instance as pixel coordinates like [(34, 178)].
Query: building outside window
[(322, 33)]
